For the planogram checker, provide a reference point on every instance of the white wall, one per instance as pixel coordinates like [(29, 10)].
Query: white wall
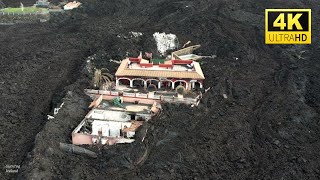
[(116, 115), (97, 114), (110, 128)]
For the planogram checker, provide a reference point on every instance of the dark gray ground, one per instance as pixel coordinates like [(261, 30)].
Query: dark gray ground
[(267, 128)]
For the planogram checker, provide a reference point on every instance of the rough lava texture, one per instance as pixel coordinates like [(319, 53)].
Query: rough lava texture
[(266, 128)]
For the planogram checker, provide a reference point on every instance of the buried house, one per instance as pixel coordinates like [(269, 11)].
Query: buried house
[(141, 85), (115, 121), (160, 74)]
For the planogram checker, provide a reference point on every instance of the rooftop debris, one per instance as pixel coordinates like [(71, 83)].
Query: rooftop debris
[(50, 117)]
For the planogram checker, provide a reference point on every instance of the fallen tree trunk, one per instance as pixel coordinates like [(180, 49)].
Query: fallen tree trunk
[(77, 150)]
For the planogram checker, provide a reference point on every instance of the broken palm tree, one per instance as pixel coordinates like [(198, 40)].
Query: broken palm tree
[(102, 79)]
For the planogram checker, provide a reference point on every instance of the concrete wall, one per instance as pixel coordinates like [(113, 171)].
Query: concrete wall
[(116, 115), (131, 99), (141, 96)]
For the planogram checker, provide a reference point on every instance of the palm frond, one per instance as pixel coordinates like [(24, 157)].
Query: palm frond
[(102, 78)]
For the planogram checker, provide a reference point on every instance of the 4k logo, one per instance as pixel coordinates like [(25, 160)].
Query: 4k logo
[(288, 26)]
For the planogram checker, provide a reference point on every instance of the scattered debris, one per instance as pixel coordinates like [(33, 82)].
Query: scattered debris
[(225, 96), (115, 61), (56, 110), (136, 34), (187, 43), (50, 117), (300, 55), (212, 56), (206, 90)]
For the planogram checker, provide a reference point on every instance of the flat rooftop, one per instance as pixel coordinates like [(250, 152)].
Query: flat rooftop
[(128, 107), (135, 67)]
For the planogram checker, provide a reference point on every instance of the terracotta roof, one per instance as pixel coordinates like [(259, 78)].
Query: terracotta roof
[(123, 70)]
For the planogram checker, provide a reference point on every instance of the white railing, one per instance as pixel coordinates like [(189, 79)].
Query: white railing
[(129, 94), (104, 92), (141, 95), (194, 101), (125, 94), (114, 93)]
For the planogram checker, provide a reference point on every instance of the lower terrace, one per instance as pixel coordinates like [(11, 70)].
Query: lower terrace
[(108, 123)]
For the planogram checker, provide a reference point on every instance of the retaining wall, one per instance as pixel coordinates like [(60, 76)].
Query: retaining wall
[(23, 17)]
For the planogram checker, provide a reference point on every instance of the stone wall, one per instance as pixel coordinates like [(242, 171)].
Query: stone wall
[(23, 18)]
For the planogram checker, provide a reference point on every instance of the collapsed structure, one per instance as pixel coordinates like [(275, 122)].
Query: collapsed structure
[(110, 123), (141, 85)]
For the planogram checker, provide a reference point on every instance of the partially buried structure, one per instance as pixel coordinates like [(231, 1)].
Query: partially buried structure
[(110, 123), (163, 74), (117, 113)]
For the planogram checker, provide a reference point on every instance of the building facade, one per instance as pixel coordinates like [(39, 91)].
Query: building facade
[(168, 75)]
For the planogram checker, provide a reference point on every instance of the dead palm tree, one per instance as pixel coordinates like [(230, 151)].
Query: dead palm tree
[(102, 77)]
